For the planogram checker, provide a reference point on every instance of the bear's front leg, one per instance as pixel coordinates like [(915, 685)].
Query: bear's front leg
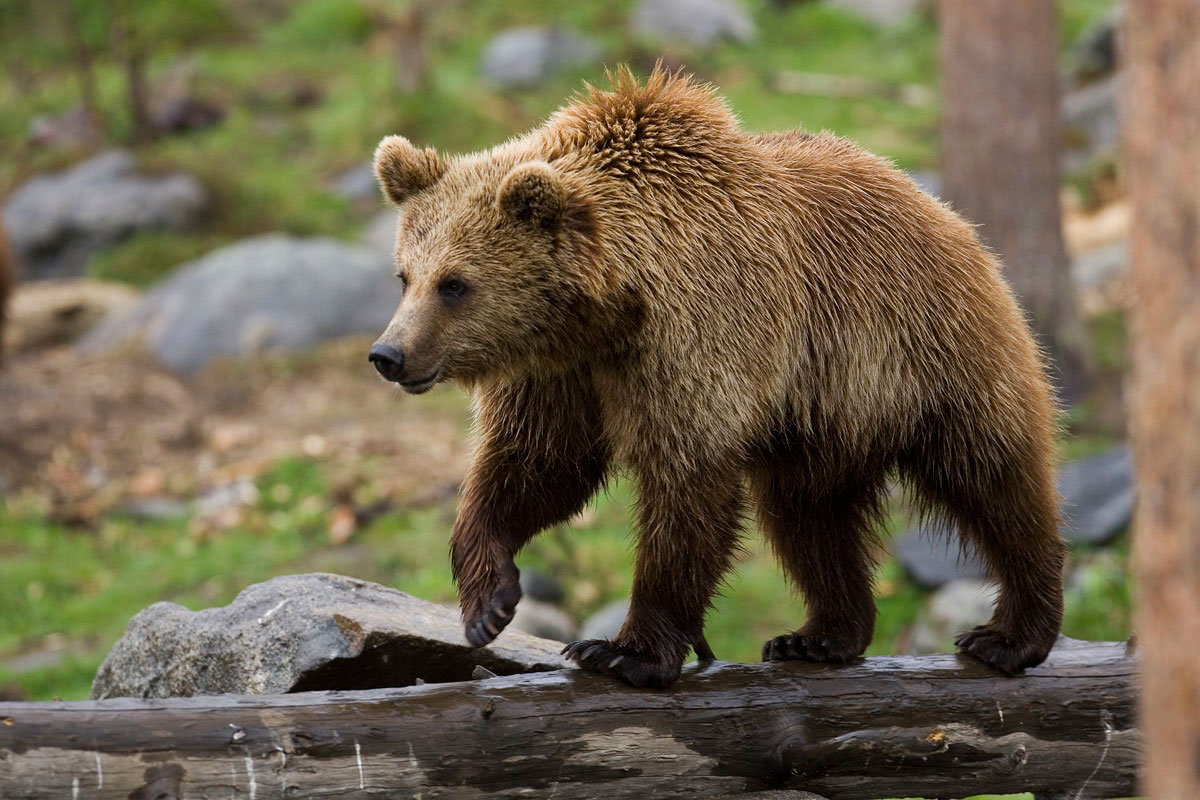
[(539, 459), (688, 535)]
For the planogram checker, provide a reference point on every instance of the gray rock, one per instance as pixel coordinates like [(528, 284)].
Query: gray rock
[(1098, 496), (526, 56), (1097, 502), (1090, 126), (541, 587), (605, 623), (358, 184), (697, 22), (1097, 267), (56, 222), (932, 556), (929, 181), (154, 508), (958, 606), (380, 233), (72, 128), (305, 633), (544, 621), (55, 312), (1094, 53), (187, 113), (880, 12), (271, 292), (234, 494)]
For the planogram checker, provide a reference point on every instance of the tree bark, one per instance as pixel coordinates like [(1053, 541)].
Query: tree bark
[(409, 44), (932, 726), (1000, 141), (84, 57), (1161, 49), (132, 58)]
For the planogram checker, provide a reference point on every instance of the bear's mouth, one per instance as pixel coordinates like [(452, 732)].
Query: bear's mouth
[(421, 385)]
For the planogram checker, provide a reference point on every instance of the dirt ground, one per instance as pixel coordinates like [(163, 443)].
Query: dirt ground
[(82, 436)]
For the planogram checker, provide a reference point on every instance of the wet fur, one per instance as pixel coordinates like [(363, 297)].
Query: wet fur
[(777, 318)]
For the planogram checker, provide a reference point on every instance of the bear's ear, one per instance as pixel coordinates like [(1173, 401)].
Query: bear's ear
[(403, 170), (533, 193)]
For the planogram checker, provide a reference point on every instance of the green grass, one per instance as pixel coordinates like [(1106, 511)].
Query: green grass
[(147, 257), (81, 586)]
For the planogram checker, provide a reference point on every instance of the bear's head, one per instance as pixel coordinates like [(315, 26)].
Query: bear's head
[(495, 255)]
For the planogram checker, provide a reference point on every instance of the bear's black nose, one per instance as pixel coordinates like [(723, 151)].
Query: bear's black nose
[(387, 360)]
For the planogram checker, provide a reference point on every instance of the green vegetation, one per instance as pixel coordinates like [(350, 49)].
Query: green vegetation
[(310, 89)]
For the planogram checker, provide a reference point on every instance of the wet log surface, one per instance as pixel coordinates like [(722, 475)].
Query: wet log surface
[(927, 726)]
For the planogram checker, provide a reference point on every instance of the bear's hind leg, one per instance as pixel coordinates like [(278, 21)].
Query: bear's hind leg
[(1008, 510), (688, 535), (825, 543)]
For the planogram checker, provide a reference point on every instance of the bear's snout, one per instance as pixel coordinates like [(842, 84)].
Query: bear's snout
[(388, 361)]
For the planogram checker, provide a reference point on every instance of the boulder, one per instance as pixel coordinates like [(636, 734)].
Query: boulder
[(1098, 496), (544, 621), (605, 623), (1094, 53), (380, 233), (1101, 265), (696, 22), (956, 607), (1097, 503), (305, 633), (933, 556), (271, 292), (1091, 129), (56, 222), (541, 586), (881, 12), (526, 56), (56, 312), (187, 113), (358, 185), (928, 180)]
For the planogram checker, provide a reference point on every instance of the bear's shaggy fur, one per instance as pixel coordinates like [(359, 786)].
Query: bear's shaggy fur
[(639, 282)]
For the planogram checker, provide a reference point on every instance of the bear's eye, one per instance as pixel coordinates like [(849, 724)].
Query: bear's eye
[(403, 281), (452, 289)]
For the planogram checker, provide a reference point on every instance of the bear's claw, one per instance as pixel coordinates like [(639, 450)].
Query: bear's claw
[(999, 650), (486, 626), (810, 647), (631, 666)]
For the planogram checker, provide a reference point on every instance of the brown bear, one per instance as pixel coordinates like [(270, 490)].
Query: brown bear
[(639, 282)]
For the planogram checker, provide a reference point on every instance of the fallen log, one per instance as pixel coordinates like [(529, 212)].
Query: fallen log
[(891, 726)]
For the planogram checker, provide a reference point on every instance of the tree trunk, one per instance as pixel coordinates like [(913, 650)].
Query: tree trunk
[(932, 726), (1000, 142), (409, 44), (85, 59), (132, 58), (1161, 50)]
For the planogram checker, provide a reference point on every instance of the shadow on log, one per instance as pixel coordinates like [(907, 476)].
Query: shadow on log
[(929, 726)]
